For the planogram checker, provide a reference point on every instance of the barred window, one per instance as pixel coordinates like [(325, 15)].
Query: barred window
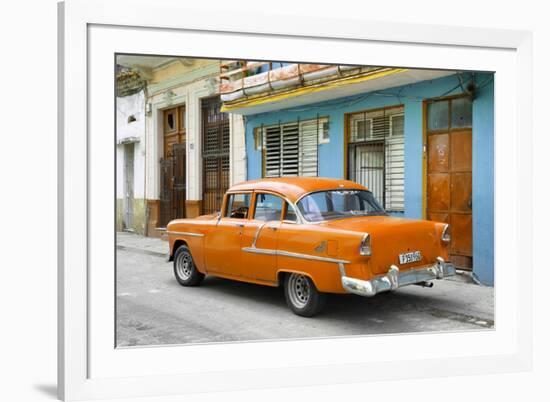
[(292, 149), (376, 154)]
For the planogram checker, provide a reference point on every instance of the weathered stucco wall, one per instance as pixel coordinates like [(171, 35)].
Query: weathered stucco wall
[(175, 85), (130, 133)]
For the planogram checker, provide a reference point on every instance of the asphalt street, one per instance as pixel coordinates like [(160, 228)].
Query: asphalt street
[(153, 309)]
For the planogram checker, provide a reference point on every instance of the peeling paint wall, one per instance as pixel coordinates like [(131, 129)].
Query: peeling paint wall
[(130, 132)]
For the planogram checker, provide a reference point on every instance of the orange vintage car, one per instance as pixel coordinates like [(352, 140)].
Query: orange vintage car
[(313, 236)]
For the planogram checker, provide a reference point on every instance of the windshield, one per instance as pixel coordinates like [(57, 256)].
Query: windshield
[(335, 204)]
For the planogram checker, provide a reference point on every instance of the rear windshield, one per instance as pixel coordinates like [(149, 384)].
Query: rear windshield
[(337, 204)]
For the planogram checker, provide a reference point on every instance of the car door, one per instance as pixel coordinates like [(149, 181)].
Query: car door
[(223, 245), (260, 236)]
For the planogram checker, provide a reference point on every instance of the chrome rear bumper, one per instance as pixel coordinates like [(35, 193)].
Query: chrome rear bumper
[(394, 279)]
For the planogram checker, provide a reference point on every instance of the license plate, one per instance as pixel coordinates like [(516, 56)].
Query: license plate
[(407, 258)]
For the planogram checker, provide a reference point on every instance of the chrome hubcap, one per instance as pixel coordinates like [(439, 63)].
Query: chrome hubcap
[(298, 290), (184, 266)]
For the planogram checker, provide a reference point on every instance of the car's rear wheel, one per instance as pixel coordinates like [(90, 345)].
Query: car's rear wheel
[(302, 296), (184, 268)]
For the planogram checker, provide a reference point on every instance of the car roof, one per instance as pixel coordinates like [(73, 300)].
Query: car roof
[(295, 187)]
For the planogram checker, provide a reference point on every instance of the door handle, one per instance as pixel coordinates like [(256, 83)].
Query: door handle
[(274, 228), (240, 225)]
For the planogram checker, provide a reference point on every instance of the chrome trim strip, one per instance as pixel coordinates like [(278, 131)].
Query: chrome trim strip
[(283, 253), (394, 279), (191, 234), (257, 234), (259, 250)]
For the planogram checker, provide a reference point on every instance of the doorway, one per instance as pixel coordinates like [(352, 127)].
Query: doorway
[(449, 172), (173, 166), (128, 207)]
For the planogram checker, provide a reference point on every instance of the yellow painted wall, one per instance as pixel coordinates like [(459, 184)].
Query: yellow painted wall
[(176, 68)]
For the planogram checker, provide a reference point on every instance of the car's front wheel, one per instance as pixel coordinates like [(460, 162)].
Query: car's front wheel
[(302, 296), (184, 268)]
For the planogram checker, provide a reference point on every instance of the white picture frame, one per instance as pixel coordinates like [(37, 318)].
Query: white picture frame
[(90, 367)]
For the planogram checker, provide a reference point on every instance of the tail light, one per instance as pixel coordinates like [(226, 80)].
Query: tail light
[(446, 235), (365, 245)]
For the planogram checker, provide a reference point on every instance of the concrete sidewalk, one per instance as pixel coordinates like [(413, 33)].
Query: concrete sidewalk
[(140, 244)]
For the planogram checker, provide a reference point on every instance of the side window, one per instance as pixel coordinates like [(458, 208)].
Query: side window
[(290, 214), (268, 207), (237, 206)]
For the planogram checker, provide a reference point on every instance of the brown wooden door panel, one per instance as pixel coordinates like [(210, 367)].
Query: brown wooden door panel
[(461, 238), (461, 155), (172, 167), (461, 192), (439, 196), (438, 217), (169, 141), (438, 150), (449, 184), (462, 261)]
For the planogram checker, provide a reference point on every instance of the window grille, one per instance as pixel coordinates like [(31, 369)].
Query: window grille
[(376, 154)]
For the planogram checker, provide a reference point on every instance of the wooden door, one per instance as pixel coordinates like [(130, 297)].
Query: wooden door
[(172, 166), (449, 172), (174, 129)]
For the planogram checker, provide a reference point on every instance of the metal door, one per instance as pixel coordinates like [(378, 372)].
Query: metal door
[(215, 154)]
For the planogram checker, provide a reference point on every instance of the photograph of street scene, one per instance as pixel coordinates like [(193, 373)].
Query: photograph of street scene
[(266, 200)]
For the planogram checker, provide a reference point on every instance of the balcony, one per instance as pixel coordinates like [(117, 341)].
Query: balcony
[(256, 87)]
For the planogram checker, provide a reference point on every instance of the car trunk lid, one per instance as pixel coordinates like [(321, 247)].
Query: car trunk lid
[(391, 237)]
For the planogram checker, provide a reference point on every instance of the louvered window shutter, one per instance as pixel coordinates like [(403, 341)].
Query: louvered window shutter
[(309, 145), (395, 165), (272, 159), (380, 126), (291, 149)]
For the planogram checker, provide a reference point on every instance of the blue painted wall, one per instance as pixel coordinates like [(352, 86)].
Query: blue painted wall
[(483, 184), (331, 155)]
